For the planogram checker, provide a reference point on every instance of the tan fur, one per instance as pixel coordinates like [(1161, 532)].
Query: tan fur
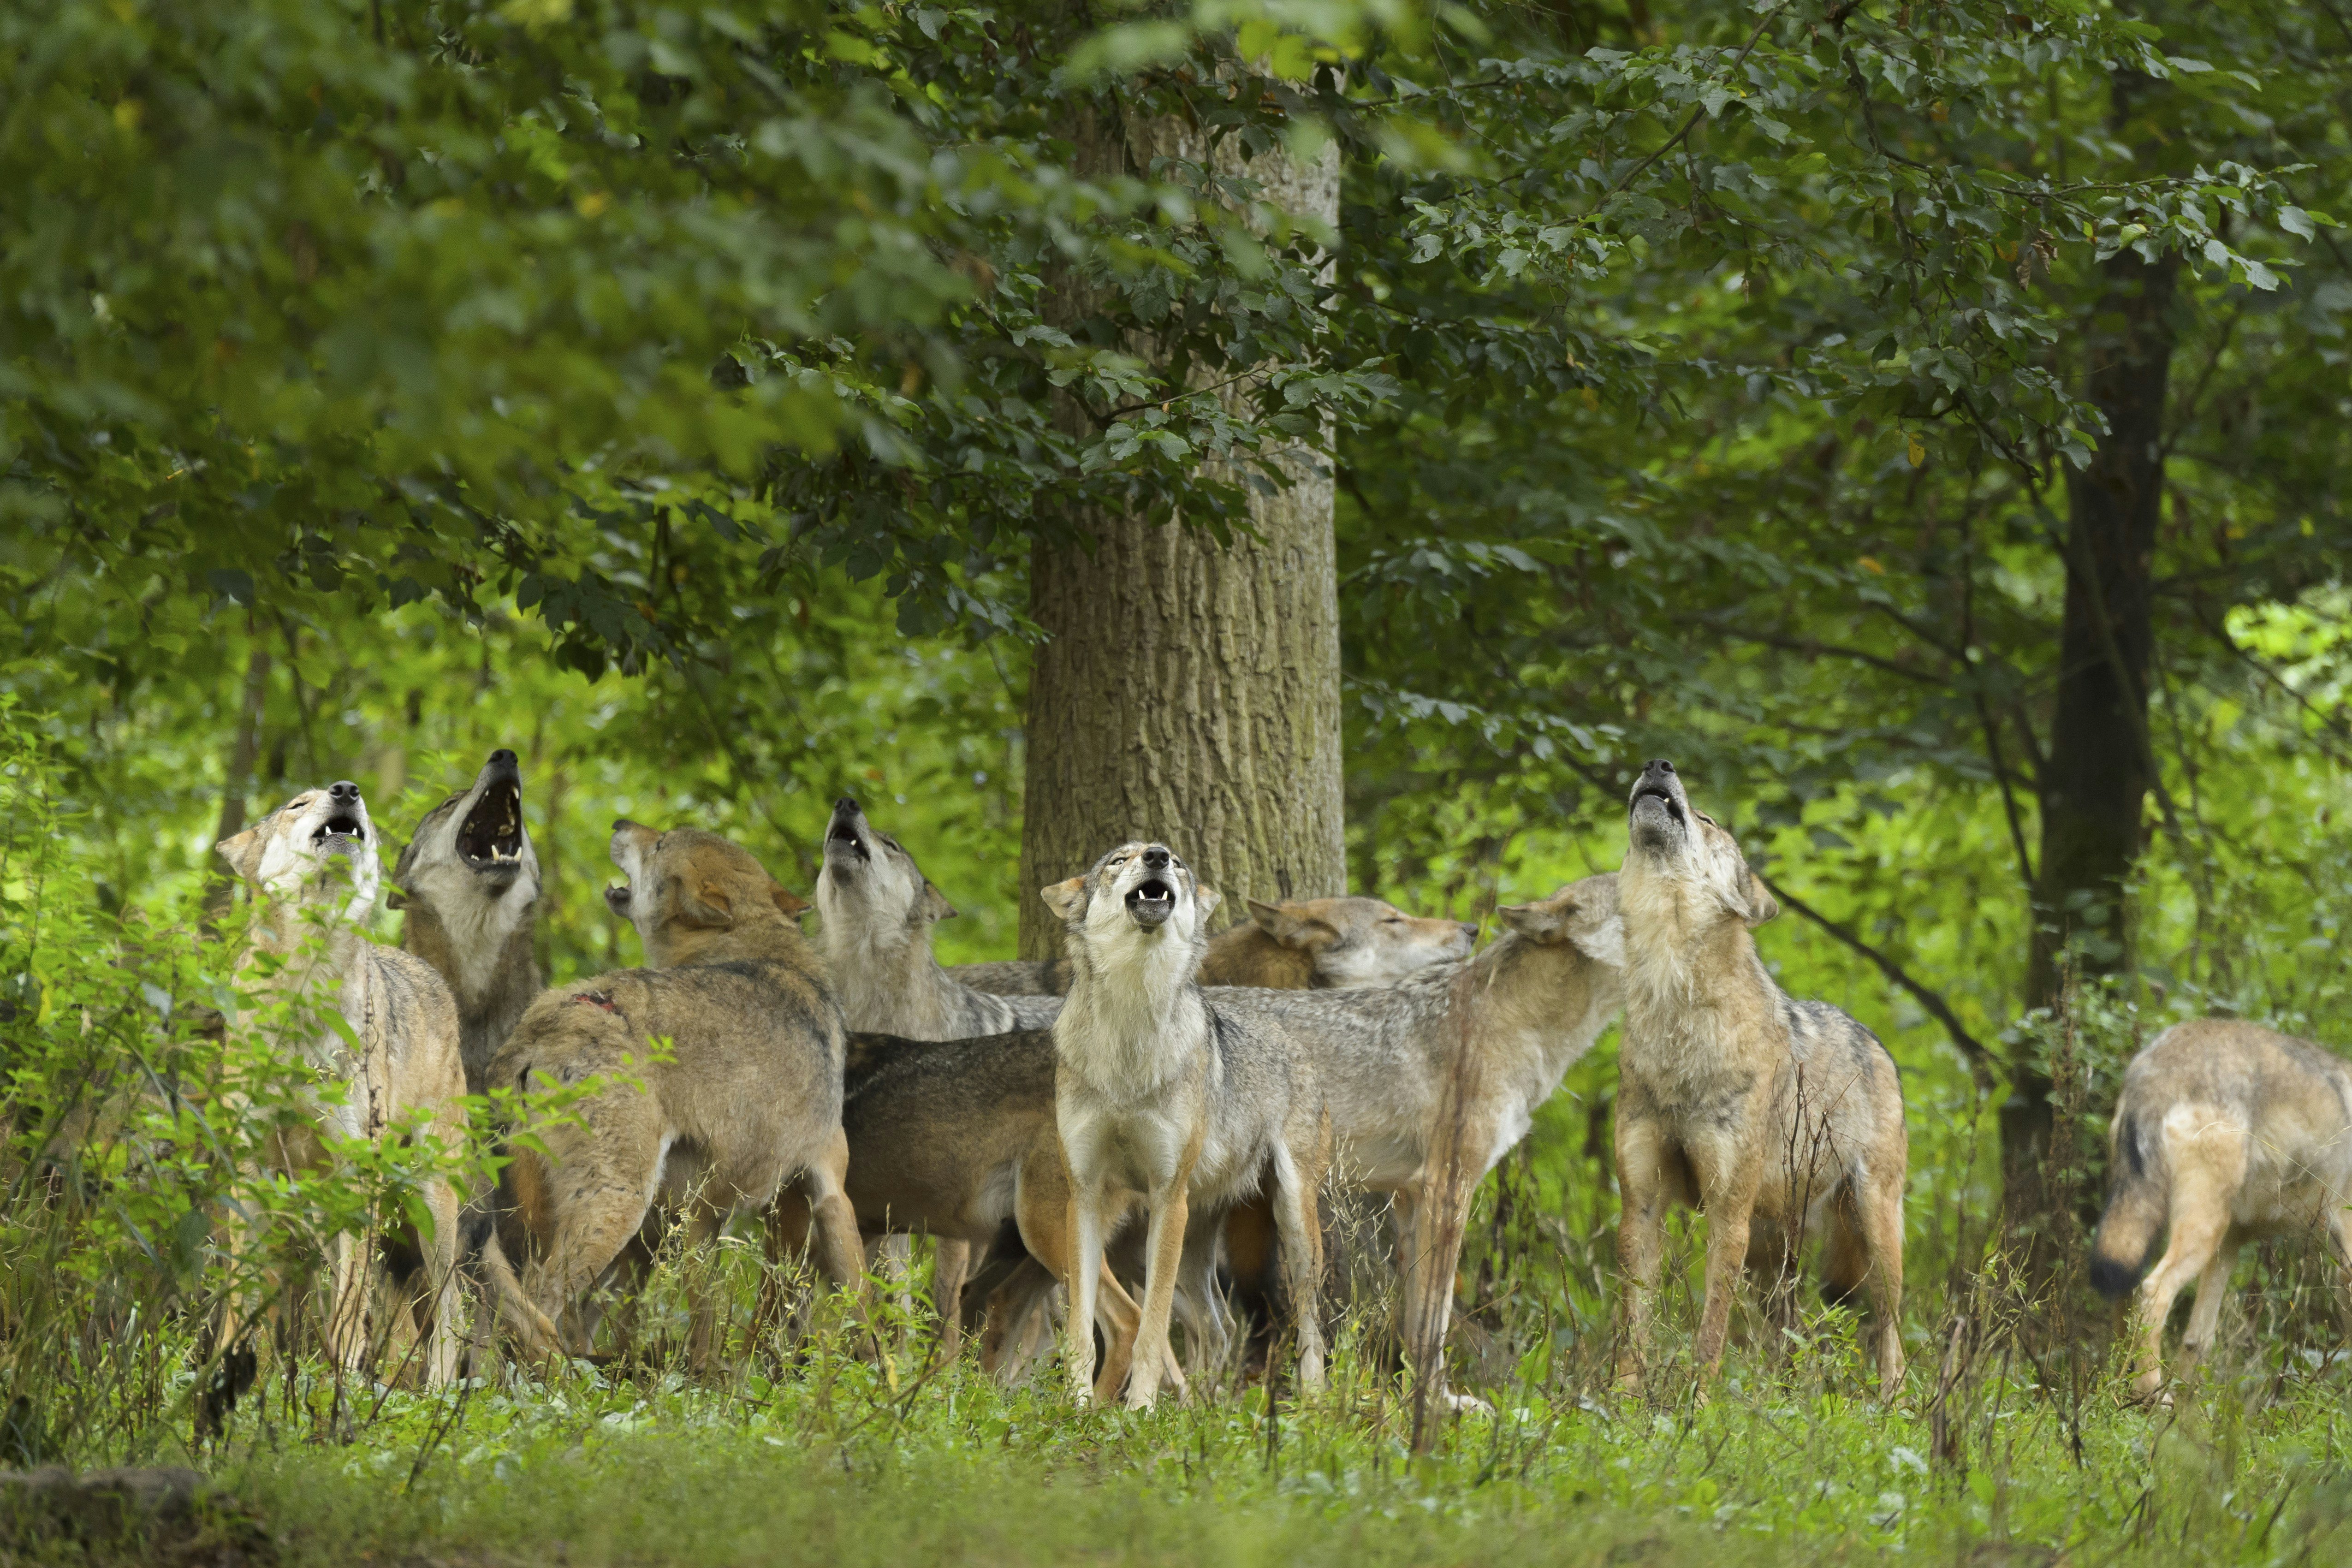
[(308, 896), (1736, 1099), (749, 1097), (2224, 1130), (1335, 943)]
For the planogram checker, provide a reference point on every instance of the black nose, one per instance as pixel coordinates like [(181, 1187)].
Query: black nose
[(503, 755), (343, 791), (1155, 858), (1655, 766), (846, 803)]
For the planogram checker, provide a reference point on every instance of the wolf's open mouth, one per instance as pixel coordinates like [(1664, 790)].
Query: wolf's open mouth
[(1152, 901), (844, 834), (491, 838), (1674, 807), (341, 831)]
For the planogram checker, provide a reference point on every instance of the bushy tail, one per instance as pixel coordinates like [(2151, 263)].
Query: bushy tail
[(2136, 1211)]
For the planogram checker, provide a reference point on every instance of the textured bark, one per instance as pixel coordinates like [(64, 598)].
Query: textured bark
[(1190, 691), (2095, 785)]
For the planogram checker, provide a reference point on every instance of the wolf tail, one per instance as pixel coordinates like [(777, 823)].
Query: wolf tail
[(2135, 1212)]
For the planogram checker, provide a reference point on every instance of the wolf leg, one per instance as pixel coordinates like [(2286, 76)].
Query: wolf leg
[(1641, 1236), (950, 1262), (2200, 1220), (1080, 1269), (838, 1253), (2205, 1312), (1295, 1216), (347, 1305), (445, 1299), (1878, 1215), (1163, 1251), (1731, 1202)]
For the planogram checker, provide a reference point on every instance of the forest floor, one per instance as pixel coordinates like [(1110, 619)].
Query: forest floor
[(864, 1463)]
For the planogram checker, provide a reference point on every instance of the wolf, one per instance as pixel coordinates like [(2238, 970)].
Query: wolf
[(470, 881), (747, 1096), (2225, 1130), (1160, 1091), (878, 910), (1311, 943), (314, 872), (1429, 1082), (1735, 1097)]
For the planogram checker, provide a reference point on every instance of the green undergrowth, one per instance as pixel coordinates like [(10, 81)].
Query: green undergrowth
[(867, 1464)]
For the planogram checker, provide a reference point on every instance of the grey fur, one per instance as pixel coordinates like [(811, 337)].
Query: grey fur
[(469, 883), (878, 910)]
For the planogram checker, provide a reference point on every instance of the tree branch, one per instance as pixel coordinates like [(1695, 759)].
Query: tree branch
[(1982, 1063)]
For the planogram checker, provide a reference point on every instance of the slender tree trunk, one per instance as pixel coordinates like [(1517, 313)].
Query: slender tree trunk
[(1190, 691), (2094, 789), (243, 749)]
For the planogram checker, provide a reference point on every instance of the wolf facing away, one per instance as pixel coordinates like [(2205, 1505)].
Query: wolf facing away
[(469, 883), (314, 872), (1735, 1098), (1162, 1092), (2223, 1130), (747, 1097), (1311, 943)]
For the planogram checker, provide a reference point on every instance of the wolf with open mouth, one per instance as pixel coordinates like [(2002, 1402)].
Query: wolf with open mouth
[(469, 883), (312, 871)]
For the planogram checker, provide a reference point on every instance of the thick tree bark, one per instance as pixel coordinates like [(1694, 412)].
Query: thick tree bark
[(2095, 786), (1190, 691)]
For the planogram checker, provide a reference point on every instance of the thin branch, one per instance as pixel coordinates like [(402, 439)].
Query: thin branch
[(1697, 114), (1982, 1063)]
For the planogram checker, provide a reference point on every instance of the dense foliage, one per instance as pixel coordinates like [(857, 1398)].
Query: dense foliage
[(676, 395)]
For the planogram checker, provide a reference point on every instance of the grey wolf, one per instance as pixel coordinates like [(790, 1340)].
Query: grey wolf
[(1310, 944), (2225, 1130), (747, 1096), (314, 872), (1775, 1117), (1159, 1091), (468, 881), (1431, 1081), (878, 910)]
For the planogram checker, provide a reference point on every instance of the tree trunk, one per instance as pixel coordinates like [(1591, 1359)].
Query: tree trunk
[(243, 750), (2095, 785), (1190, 691)]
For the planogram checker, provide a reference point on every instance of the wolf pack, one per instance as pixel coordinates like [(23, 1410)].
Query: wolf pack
[(1148, 1134)]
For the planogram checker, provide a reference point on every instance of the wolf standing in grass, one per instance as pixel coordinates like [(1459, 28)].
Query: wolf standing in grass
[(749, 1098), (312, 869), (2225, 1130), (468, 881), (1773, 1116), (1162, 1092)]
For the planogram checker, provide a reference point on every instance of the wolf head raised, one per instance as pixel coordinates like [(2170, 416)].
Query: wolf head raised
[(471, 862), (1670, 841), (317, 854), (870, 892), (1362, 941), (696, 899), (1136, 895)]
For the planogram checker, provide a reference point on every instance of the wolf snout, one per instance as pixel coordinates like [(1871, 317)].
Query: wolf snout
[(344, 828), (1658, 784), (1151, 900), (343, 791), (843, 829)]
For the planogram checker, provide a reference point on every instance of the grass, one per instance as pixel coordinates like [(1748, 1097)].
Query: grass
[(854, 1461)]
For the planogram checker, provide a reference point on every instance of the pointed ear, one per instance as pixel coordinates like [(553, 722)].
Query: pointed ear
[(1603, 943), (243, 853), (705, 909), (1762, 905), (1291, 928), (1066, 899), (1205, 901), (393, 898), (788, 904), (934, 904), (1546, 920)]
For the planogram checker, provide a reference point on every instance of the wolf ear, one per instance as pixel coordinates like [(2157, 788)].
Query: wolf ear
[(1205, 901), (707, 909), (1543, 921), (934, 903), (1761, 905), (1066, 899), (1302, 934), (243, 853), (394, 900), (788, 904)]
